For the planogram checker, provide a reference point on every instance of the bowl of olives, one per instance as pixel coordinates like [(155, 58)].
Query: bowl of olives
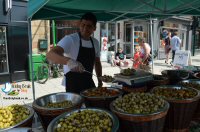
[(50, 106), (15, 116), (128, 72), (176, 74), (85, 120), (176, 93), (139, 104), (107, 78), (100, 97), (194, 83), (183, 103), (140, 112)]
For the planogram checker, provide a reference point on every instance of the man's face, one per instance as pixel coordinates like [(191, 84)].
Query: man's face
[(86, 28)]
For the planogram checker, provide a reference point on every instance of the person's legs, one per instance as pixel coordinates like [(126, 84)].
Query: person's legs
[(167, 58), (173, 54), (117, 63)]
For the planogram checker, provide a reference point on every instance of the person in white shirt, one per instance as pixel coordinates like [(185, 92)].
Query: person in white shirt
[(79, 52), (175, 45)]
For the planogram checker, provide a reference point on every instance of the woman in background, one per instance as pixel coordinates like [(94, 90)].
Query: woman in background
[(167, 46)]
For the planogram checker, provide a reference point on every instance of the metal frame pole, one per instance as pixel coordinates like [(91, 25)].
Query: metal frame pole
[(30, 56), (151, 31), (54, 33)]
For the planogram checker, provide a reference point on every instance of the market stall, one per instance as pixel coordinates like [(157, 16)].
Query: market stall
[(135, 111)]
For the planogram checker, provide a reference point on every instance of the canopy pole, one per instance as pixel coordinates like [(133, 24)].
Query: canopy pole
[(116, 36), (54, 33), (151, 32), (30, 56)]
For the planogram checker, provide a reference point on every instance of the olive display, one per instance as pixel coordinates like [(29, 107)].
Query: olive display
[(102, 91), (191, 84), (173, 93), (139, 103), (63, 104), (107, 78), (12, 115), (85, 121), (128, 72), (158, 77)]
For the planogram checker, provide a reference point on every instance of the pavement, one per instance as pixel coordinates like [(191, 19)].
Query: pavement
[(53, 85)]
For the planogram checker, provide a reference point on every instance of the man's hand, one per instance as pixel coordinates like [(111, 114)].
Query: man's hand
[(75, 66)]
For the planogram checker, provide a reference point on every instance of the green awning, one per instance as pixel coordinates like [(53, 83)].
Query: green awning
[(111, 10)]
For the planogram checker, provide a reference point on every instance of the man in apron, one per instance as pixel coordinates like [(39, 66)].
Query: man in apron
[(82, 52)]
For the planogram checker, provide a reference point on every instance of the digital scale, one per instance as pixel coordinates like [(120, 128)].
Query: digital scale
[(140, 77)]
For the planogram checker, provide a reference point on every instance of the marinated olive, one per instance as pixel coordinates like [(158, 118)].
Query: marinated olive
[(62, 104), (128, 71), (173, 93), (85, 121), (12, 115), (103, 91), (107, 78), (191, 84), (139, 103)]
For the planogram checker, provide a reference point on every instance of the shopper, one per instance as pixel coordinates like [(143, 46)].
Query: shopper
[(137, 57), (145, 54), (167, 46), (82, 52), (175, 44), (120, 58)]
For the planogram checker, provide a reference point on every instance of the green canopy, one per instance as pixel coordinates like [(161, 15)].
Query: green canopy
[(111, 10)]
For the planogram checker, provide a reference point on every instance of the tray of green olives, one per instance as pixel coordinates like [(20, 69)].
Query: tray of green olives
[(107, 78), (14, 116), (176, 92), (139, 104), (57, 101), (128, 72), (85, 120)]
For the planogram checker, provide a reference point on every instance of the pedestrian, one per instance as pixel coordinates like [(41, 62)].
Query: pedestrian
[(175, 44), (120, 58), (167, 46), (145, 50), (136, 58), (82, 52)]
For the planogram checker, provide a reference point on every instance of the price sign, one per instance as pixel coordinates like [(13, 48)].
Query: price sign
[(182, 58)]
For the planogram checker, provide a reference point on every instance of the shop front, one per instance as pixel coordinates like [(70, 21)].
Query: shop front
[(13, 41), (132, 31), (172, 25), (197, 43)]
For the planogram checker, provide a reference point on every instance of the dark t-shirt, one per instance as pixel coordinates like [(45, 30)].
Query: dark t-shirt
[(120, 55)]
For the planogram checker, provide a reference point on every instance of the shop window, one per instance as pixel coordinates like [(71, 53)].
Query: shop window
[(128, 32), (3, 51), (118, 30)]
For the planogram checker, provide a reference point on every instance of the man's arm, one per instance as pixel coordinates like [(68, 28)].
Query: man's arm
[(147, 51), (98, 69), (124, 56), (55, 55)]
